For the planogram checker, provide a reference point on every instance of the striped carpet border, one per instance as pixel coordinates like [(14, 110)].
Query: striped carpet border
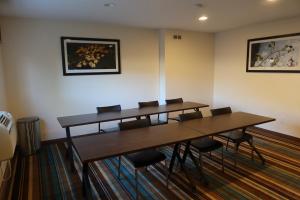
[(47, 176)]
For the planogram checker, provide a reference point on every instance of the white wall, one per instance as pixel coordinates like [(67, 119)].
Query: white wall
[(35, 82), (272, 94), (2, 83), (2, 105), (189, 65), (36, 86)]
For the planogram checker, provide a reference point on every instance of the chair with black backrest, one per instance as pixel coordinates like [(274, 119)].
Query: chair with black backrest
[(205, 144), (236, 136), (145, 104), (174, 101), (107, 109), (142, 158)]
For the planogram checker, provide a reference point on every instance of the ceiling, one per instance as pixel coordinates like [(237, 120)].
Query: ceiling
[(175, 14)]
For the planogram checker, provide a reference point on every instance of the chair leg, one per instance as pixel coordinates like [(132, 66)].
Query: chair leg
[(99, 127), (200, 162), (136, 184), (236, 147), (168, 177), (179, 147), (252, 151), (177, 162), (222, 159), (227, 144), (167, 118), (167, 173), (119, 167), (158, 119)]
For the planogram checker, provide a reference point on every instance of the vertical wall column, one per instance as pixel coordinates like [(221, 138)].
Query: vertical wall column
[(186, 65), (162, 67)]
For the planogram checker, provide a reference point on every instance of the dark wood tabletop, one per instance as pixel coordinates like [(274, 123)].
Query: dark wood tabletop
[(227, 122), (97, 147), (78, 120)]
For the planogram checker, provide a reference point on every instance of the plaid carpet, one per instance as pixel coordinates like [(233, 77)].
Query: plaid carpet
[(47, 176)]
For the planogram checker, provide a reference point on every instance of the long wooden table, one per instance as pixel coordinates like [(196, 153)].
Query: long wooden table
[(98, 147), (79, 120)]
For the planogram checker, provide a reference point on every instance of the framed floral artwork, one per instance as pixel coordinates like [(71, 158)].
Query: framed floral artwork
[(274, 54), (90, 56)]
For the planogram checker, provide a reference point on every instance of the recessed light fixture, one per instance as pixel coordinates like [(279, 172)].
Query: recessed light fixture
[(272, 0), (199, 5), (203, 18), (110, 5)]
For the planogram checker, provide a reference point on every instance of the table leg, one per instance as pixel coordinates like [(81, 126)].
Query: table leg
[(187, 152), (177, 155), (257, 152), (173, 158), (69, 150), (253, 148), (85, 179)]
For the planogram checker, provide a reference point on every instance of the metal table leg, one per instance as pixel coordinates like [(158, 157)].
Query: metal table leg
[(254, 149), (257, 152), (174, 156), (187, 152), (85, 179), (69, 150)]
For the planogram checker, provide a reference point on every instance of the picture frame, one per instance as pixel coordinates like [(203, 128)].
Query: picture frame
[(279, 54), (90, 56)]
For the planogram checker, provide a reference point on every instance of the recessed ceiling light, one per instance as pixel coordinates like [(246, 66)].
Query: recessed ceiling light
[(271, 0), (199, 5), (203, 18), (110, 5)]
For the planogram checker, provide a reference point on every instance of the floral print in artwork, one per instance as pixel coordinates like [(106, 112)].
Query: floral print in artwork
[(274, 54), (91, 56)]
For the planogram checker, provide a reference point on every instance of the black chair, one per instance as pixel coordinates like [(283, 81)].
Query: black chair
[(107, 109), (203, 145), (174, 101), (156, 121), (143, 158), (236, 136)]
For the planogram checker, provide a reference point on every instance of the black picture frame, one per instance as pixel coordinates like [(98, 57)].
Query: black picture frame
[(275, 54), (90, 56)]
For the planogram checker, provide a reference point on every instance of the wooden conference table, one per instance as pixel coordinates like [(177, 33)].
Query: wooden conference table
[(98, 147), (79, 120)]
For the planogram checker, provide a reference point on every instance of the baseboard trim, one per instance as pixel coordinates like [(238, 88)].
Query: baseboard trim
[(46, 142), (275, 135)]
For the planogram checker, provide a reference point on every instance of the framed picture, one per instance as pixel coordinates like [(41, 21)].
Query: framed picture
[(274, 54), (89, 56)]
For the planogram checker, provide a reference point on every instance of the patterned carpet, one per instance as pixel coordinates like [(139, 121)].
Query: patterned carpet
[(47, 176)]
